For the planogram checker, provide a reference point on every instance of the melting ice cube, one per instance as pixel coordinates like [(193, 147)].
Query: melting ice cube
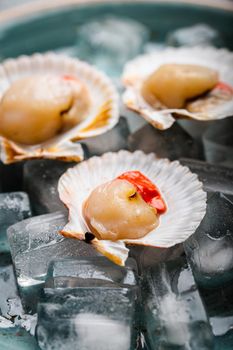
[(93, 318), (112, 141), (218, 142), (214, 178), (109, 42), (40, 181), (174, 314), (14, 207), (219, 305), (210, 249), (199, 34), (90, 272), (173, 143), (36, 241), (10, 304)]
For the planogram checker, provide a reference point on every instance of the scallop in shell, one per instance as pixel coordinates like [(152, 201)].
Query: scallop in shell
[(181, 190), (101, 115), (215, 104)]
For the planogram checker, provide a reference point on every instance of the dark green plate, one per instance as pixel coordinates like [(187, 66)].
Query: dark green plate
[(58, 28)]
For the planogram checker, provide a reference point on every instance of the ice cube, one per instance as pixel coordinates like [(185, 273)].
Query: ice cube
[(26, 321), (17, 338), (150, 256), (14, 207), (210, 249), (5, 323), (109, 42), (223, 329), (93, 318), (151, 47), (90, 272), (40, 181), (134, 121), (11, 177), (224, 342), (174, 314), (199, 34), (219, 305), (215, 178), (10, 304), (36, 241), (218, 142), (113, 140), (221, 325), (173, 143), (30, 295), (195, 128)]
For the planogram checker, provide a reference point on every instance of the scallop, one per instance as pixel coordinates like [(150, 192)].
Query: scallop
[(110, 213), (121, 212), (36, 108), (194, 83), (174, 84), (48, 102)]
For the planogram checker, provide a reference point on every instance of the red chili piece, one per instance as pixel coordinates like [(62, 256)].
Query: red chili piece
[(146, 188), (68, 77), (224, 87)]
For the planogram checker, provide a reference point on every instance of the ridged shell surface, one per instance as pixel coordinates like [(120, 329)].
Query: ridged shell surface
[(181, 190), (137, 70), (102, 116)]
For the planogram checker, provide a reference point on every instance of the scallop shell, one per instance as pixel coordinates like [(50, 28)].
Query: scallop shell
[(137, 70), (181, 190), (103, 114)]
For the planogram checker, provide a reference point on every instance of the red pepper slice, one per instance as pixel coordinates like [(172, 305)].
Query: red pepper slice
[(68, 77), (146, 188), (224, 87)]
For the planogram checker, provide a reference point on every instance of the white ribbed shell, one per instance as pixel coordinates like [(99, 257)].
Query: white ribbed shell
[(182, 191), (103, 96), (137, 70)]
